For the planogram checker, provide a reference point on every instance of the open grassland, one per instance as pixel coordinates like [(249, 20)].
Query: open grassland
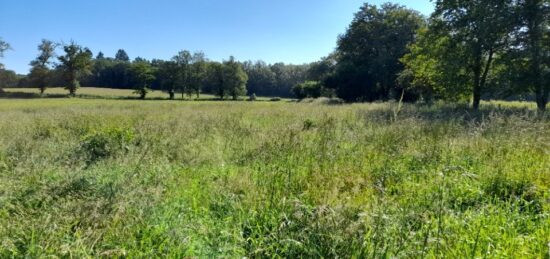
[(100, 93), (89, 178)]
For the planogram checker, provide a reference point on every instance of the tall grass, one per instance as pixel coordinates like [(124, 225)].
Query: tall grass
[(91, 178)]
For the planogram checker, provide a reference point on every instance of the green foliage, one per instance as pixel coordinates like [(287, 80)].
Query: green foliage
[(122, 56), (76, 63), (234, 79), (143, 75), (8, 78), (434, 69), (40, 70), (308, 89), (106, 143), (477, 32), (368, 53)]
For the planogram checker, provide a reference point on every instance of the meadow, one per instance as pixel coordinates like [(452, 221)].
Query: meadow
[(126, 178), (101, 93)]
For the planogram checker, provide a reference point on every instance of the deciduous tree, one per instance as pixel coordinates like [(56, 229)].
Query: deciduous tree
[(479, 30), (76, 62), (143, 75), (368, 53), (41, 65)]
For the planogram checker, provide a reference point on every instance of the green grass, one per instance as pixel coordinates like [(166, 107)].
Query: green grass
[(114, 178), (101, 93)]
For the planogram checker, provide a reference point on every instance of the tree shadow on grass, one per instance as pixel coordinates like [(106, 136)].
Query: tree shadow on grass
[(24, 95), (27, 95), (442, 113)]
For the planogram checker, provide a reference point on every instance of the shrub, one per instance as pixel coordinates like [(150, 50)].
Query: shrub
[(522, 193), (105, 143), (275, 99), (306, 89), (329, 101)]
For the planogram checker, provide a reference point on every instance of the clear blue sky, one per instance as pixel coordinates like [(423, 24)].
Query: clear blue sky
[(290, 31)]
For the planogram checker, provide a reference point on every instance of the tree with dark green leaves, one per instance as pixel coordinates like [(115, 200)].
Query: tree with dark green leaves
[(534, 32), (167, 75), (368, 53), (234, 79), (308, 89), (197, 72), (261, 79), (40, 70), (76, 63), (8, 78), (321, 70), (100, 56), (477, 31), (121, 55), (183, 61), (215, 79), (287, 76), (143, 76)]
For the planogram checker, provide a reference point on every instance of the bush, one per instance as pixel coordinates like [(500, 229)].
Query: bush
[(275, 99), (106, 143), (323, 100), (252, 97), (329, 101), (312, 89)]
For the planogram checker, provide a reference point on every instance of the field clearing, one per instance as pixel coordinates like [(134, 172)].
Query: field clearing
[(110, 93), (114, 178)]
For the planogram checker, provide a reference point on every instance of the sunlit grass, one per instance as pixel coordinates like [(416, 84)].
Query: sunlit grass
[(96, 92), (94, 177)]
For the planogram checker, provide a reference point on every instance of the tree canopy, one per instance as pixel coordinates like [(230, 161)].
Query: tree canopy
[(466, 50), (368, 53), (76, 63)]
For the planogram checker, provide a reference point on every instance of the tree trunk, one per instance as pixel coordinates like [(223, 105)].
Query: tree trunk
[(477, 87), (480, 79), (535, 68), (545, 96)]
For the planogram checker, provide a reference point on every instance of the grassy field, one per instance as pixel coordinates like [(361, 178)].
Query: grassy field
[(100, 93), (114, 178)]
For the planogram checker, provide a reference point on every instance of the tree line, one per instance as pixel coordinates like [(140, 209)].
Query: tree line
[(465, 50), (186, 73)]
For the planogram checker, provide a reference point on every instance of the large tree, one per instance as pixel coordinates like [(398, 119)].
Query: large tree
[(166, 75), (41, 65), (183, 62), (215, 79), (121, 55), (533, 34), (434, 69), (143, 75), (234, 78), (478, 29), (76, 62), (368, 53), (197, 72)]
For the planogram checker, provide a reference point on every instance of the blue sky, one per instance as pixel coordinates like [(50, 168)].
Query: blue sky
[(290, 31)]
